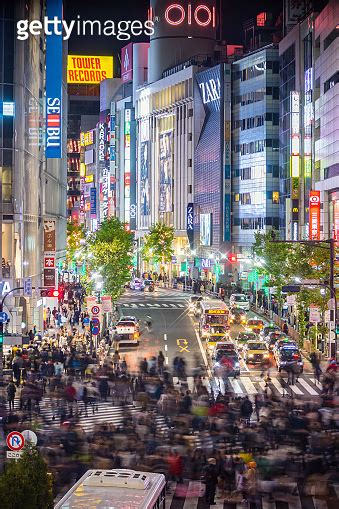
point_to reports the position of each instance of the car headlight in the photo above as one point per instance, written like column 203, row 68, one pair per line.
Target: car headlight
column 251, row 354
column 236, row 365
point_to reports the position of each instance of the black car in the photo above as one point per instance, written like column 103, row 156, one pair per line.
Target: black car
column 238, row 316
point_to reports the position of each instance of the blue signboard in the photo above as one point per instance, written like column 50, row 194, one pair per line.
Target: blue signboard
column 54, row 84
column 93, row 201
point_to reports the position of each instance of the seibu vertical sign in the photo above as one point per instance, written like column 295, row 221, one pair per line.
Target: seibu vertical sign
column 314, row 215
column 54, row 84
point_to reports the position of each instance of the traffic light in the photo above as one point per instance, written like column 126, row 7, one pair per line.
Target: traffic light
column 232, row 257
column 50, row 292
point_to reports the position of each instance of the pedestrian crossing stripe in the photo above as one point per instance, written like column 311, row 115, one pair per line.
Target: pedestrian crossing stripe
column 186, row 496
column 106, row 413
column 153, row 305
column 245, row 386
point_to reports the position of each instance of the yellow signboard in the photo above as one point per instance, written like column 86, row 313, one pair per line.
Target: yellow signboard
column 82, row 69
column 216, row 312
column 86, row 138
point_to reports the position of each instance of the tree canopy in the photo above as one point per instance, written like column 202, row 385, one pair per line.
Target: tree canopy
column 25, row 483
column 110, row 252
column 158, row 243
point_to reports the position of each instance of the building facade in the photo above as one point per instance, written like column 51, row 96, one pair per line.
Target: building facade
column 326, row 174
column 33, row 188
column 255, row 140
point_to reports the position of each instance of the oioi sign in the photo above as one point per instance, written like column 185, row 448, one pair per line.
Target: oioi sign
column 201, row 15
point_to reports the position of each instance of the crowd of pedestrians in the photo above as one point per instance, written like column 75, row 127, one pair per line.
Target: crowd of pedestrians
column 233, row 448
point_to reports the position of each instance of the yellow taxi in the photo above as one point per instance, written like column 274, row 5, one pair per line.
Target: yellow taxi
column 216, row 333
column 255, row 351
column 254, row 325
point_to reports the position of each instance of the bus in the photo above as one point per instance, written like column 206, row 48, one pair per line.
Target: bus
column 212, row 312
column 118, row 488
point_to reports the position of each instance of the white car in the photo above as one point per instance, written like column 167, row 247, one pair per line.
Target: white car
column 240, row 300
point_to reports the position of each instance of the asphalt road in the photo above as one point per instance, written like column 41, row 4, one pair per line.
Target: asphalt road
column 172, row 330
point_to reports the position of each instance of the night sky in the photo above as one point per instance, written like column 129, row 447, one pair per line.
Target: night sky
column 234, row 14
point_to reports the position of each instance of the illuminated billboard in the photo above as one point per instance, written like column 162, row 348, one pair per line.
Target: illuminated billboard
column 166, row 171
column 54, row 85
column 82, row 69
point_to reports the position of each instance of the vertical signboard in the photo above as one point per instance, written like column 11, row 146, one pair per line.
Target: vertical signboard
column 127, row 63
column 295, row 159
column 127, row 165
column 54, row 84
column 112, row 183
column 314, row 215
column 190, row 224
column 166, row 171
column 49, row 276
column 133, row 179
column 227, row 152
column 144, row 175
column 93, row 202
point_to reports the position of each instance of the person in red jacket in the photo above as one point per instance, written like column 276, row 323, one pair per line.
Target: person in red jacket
column 175, row 466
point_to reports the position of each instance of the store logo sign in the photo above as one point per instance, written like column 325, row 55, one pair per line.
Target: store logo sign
column 201, row 15
column 210, row 90
column 101, row 141
column 314, row 215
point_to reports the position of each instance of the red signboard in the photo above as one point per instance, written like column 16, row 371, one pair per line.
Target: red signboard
column 49, row 262
column 336, row 220
column 127, row 63
column 314, row 215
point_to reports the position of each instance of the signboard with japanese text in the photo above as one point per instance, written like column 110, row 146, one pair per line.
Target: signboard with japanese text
column 314, row 215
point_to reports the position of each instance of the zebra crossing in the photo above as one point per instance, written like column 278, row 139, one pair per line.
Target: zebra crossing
column 153, row 305
column 102, row 412
column 189, row 495
column 249, row 386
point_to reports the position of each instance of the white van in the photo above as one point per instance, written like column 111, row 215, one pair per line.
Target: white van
column 240, row 300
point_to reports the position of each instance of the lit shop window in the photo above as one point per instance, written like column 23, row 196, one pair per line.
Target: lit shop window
column 275, row 197
column 8, row 109
column 237, row 197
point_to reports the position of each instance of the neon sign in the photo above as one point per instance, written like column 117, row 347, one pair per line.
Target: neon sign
column 203, row 16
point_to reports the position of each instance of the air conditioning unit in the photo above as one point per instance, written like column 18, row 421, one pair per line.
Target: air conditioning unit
column 121, row 478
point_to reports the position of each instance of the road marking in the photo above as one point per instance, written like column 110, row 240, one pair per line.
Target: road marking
column 141, row 304
column 165, row 337
column 294, row 388
column 250, row 389
column 308, row 387
column 156, row 305
column 277, row 385
column 235, row 386
column 166, row 360
column 262, row 385
column 173, row 305
column 164, row 305
column 180, row 305
column 183, row 345
column 315, row 381
column 203, row 353
column 165, row 347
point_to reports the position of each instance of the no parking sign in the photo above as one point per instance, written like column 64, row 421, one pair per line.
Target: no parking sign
column 15, row 441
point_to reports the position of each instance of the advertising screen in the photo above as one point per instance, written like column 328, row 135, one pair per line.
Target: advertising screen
column 145, row 187
column 83, row 69
column 166, row 171
column 205, row 229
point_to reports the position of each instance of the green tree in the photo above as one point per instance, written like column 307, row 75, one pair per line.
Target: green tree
column 111, row 252
column 25, row 483
column 158, row 244
column 75, row 238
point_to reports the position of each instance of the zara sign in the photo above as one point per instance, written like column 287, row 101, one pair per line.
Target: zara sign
column 210, row 90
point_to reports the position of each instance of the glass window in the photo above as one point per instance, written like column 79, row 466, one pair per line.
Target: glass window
column 275, row 197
